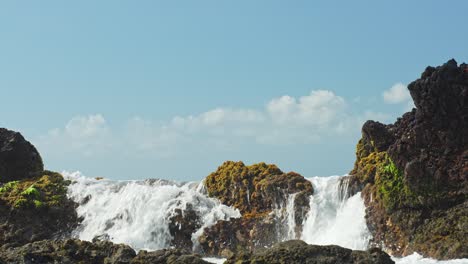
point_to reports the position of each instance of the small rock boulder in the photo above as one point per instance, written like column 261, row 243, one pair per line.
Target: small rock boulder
column 19, row 159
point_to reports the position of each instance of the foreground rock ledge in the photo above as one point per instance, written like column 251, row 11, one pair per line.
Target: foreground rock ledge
column 299, row 252
column 73, row 251
column 76, row 251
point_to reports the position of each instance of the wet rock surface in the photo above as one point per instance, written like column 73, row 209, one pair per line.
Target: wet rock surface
column 414, row 173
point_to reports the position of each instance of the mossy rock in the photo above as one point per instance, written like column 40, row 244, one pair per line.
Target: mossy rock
column 254, row 189
column 261, row 192
column 45, row 191
column 35, row 209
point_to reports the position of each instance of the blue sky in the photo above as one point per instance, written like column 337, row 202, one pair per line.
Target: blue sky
column 154, row 89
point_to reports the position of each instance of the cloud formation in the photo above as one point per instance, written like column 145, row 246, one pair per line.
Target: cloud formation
column 86, row 135
column 397, row 94
column 285, row 120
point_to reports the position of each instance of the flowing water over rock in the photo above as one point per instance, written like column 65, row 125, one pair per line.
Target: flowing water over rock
column 139, row 213
column 335, row 219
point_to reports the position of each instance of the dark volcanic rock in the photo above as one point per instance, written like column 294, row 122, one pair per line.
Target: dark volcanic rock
column 297, row 251
column 67, row 251
column 182, row 225
column 19, row 159
column 260, row 192
column 414, row 174
column 73, row 251
column 169, row 256
column 226, row 237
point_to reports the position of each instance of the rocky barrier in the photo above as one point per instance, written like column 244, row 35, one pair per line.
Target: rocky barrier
column 414, row 173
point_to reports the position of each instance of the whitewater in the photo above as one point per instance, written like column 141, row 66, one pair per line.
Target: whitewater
column 138, row 213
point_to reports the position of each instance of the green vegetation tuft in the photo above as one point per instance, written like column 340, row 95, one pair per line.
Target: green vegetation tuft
column 8, row 186
column 390, row 186
column 31, row 192
column 38, row 204
column 21, row 203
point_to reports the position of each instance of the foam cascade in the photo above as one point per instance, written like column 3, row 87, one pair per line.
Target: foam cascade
column 138, row 213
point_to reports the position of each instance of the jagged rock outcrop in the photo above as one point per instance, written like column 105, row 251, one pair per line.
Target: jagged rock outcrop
column 19, row 159
column 260, row 192
column 33, row 203
column 298, row 252
column 73, row 251
column 414, row 174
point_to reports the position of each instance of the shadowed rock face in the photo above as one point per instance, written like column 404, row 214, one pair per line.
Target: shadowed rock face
column 19, row 159
column 414, row 174
column 296, row 251
column 259, row 191
column 73, row 251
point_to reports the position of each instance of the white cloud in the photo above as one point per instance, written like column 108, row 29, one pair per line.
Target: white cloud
column 284, row 120
column 398, row 93
column 86, row 135
column 319, row 109
column 86, row 126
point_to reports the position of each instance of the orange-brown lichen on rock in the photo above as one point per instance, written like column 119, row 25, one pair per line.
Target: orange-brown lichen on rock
column 254, row 189
column 260, row 192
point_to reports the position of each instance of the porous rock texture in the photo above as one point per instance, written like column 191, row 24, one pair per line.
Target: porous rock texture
column 413, row 174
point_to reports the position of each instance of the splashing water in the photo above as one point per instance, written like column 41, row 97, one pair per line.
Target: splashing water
column 418, row 259
column 334, row 219
column 138, row 213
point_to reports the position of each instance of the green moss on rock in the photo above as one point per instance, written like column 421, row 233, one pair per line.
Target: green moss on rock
column 44, row 191
column 391, row 187
column 8, row 186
